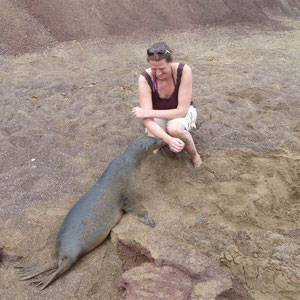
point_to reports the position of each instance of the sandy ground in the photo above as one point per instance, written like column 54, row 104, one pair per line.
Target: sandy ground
column 66, row 113
column 32, row 25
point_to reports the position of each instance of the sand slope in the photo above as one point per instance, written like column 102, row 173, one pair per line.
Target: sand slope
column 65, row 113
column 29, row 25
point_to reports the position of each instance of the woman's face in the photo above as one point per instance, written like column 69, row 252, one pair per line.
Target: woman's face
column 161, row 69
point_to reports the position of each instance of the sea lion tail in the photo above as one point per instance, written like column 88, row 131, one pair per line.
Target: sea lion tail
column 42, row 277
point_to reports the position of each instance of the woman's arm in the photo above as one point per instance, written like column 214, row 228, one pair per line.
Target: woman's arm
column 145, row 100
column 184, row 100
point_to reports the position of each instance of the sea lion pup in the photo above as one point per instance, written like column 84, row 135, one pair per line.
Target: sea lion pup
column 90, row 220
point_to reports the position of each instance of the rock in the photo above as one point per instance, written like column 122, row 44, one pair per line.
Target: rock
column 150, row 282
column 211, row 287
column 153, row 259
column 132, row 254
column 237, row 292
column 155, row 246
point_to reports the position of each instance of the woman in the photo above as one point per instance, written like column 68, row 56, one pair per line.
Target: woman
column 165, row 93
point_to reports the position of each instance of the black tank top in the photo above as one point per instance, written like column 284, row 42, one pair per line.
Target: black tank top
column 165, row 103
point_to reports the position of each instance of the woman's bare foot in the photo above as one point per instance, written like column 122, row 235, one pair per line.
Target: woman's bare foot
column 197, row 161
column 156, row 150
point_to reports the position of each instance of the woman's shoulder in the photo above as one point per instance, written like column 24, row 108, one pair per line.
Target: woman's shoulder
column 183, row 70
column 148, row 71
column 184, row 66
column 145, row 78
column 144, row 75
column 175, row 66
column 186, row 69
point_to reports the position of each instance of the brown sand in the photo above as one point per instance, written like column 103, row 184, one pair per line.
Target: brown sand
column 31, row 25
column 65, row 113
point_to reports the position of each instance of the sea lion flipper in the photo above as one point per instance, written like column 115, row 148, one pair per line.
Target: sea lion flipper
column 132, row 205
column 42, row 277
column 146, row 219
column 25, row 272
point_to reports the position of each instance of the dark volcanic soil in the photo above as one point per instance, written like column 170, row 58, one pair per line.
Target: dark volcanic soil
column 31, row 25
column 65, row 113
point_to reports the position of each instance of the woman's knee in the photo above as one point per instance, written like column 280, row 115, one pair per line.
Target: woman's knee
column 176, row 130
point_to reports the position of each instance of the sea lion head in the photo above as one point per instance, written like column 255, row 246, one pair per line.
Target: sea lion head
column 146, row 144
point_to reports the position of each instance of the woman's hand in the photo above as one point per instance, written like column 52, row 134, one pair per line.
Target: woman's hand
column 140, row 112
column 175, row 144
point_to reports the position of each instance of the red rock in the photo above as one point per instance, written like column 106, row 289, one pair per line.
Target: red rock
column 149, row 282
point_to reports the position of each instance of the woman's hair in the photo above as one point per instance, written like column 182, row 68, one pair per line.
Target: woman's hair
column 159, row 51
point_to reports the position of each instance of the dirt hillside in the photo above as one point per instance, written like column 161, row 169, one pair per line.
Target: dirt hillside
column 31, row 25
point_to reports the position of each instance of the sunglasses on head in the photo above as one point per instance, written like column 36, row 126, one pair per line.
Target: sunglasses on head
column 158, row 51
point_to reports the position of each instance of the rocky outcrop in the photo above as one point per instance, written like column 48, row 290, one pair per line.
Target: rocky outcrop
column 150, row 282
column 159, row 267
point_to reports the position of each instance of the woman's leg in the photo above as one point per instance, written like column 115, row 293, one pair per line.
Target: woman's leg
column 178, row 130
column 152, row 135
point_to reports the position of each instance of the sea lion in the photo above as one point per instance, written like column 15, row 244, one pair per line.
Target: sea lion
column 90, row 220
